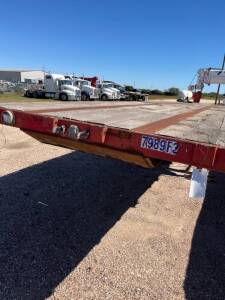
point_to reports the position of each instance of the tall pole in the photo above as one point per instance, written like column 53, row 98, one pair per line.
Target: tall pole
column 218, row 89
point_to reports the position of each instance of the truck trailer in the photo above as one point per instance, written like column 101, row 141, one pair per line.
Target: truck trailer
column 55, row 86
column 144, row 134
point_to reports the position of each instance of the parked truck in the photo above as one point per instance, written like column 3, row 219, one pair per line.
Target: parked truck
column 93, row 80
column 108, row 92
column 55, row 86
column 88, row 92
column 134, row 95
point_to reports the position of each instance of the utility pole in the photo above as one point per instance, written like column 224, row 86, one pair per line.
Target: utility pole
column 218, row 89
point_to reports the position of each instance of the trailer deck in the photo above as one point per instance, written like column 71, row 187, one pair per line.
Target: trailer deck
column 138, row 132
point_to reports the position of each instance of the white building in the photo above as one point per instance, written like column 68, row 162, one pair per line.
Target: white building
column 21, row 75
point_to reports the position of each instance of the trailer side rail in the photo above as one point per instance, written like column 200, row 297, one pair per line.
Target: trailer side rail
column 153, row 146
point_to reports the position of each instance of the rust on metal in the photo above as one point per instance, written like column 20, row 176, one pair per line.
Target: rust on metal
column 163, row 123
column 125, row 156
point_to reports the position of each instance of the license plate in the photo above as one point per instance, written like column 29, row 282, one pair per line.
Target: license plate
column 161, row 145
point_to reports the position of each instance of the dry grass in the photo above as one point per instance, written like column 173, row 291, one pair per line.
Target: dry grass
column 17, row 97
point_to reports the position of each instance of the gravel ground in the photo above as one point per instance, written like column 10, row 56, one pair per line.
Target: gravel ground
column 76, row 226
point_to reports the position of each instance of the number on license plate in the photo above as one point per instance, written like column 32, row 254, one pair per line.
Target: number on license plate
column 161, row 145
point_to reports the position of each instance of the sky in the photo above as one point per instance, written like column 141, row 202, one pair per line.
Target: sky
column 145, row 43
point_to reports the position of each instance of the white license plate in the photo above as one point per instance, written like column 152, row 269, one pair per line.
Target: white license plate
column 161, row 145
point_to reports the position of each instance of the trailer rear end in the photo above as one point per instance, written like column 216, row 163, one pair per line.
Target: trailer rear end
column 140, row 133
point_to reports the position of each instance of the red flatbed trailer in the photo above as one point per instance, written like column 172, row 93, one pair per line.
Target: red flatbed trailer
column 139, row 133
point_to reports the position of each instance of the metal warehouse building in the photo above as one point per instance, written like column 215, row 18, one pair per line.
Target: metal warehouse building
column 21, row 75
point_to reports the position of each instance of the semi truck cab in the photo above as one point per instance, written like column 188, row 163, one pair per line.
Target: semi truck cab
column 87, row 90
column 57, row 86
column 107, row 91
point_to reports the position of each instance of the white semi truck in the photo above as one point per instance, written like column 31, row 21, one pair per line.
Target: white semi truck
column 108, row 92
column 88, row 92
column 56, row 86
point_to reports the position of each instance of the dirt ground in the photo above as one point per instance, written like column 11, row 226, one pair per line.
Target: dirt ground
column 76, row 226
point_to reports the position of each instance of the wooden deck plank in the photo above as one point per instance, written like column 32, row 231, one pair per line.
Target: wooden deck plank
column 126, row 117
column 221, row 139
column 205, row 127
column 164, row 123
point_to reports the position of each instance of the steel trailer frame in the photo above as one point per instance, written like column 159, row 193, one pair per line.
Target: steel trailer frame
column 128, row 145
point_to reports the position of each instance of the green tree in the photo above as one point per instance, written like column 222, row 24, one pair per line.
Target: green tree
column 129, row 88
column 156, row 92
column 173, row 91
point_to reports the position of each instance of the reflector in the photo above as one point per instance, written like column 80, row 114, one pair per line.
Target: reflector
column 7, row 117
